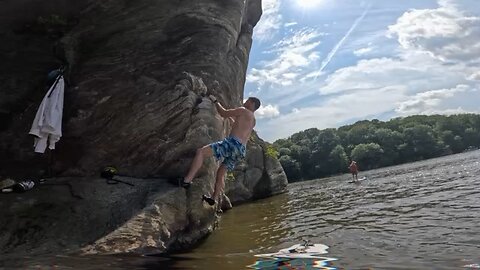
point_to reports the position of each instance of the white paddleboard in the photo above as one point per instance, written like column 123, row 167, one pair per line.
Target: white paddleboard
column 359, row 179
column 298, row 251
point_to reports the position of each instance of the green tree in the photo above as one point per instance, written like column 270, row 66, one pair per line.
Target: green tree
column 452, row 142
column 389, row 140
column 314, row 153
column 322, row 146
column 368, row 156
column 303, row 155
column 283, row 143
column 296, row 151
column 472, row 137
column 361, row 133
column 421, row 142
column 284, row 152
column 337, row 160
column 291, row 168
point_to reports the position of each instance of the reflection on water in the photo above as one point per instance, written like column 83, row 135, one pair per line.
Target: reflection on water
column 299, row 256
column 244, row 231
column 294, row 264
column 423, row 215
column 43, row 262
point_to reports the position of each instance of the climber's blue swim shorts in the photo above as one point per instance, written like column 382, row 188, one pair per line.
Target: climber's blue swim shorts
column 231, row 150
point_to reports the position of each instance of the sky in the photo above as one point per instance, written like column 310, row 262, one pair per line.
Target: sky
column 325, row 63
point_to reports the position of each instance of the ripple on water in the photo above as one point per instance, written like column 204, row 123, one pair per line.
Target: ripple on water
column 420, row 214
column 423, row 215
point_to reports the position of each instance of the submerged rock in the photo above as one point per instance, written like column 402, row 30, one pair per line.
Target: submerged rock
column 138, row 75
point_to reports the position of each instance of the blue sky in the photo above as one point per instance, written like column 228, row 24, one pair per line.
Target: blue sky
column 324, row 63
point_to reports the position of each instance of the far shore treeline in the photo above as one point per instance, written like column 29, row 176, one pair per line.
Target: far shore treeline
column 315, row 153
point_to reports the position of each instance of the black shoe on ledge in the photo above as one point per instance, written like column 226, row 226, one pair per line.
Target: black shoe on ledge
column 209, row 200
column 185, row 185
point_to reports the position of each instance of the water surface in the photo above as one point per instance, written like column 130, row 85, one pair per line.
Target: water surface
column 424, row 215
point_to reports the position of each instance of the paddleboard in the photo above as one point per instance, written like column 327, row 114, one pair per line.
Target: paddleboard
column 359, row 180
column 298, row 251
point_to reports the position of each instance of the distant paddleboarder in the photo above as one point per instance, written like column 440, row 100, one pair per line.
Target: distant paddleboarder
column 230, row 150
column 354, row 170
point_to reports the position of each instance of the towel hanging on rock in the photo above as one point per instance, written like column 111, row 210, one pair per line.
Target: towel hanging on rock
column 47, row 125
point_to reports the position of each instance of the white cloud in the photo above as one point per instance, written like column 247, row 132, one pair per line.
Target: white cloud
column 314, row 56
column 269, row 111
column 313, row 74
column 270, row 22
column 363, row 51
column 290, row 24
column 434, row 101
column 447, row 32
column 290, row 75
column 416, row 71
column 301, row 41
column 332, row 111
column 292, row 54
column 432, row 69
column 349, row 107
column 467, row 6
column 475, row 76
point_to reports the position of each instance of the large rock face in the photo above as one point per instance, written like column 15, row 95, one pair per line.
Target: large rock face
column 258, row 176
column 138, row 73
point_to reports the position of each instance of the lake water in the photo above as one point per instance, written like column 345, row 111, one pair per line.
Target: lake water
column 423, row 215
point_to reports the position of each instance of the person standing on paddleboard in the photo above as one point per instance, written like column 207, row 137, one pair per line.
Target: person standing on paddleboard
column 230, row 150
column 354, row 170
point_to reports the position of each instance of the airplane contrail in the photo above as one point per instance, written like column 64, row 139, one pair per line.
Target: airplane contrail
column 332, row 53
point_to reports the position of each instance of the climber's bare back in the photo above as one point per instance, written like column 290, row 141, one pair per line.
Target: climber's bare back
column 244, row 124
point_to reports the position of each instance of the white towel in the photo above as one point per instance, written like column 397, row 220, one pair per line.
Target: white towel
column 47, row 125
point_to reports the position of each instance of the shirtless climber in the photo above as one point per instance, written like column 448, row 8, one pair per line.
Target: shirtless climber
column 231, row 150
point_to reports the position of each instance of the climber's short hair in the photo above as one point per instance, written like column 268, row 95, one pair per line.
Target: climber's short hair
column 256, row 102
